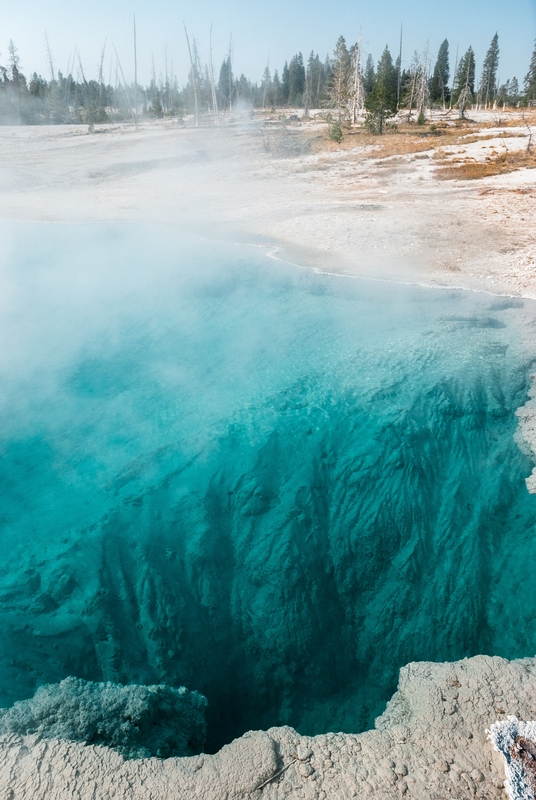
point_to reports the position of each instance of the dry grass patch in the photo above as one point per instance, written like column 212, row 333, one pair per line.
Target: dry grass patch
column 493, row 165
column 490, row 136
column 409, row 139
column 399, row 143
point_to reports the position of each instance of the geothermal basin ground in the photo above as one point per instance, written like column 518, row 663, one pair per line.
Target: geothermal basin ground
column 271, row 484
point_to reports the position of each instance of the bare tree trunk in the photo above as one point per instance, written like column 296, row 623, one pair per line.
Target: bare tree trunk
column 49, row 55
column 135, row 75
column 399, row 71
column 116, row 89
column 68, row 82
column 101, row 75
column 170, row 86
column 264, row 86
column 529, row 144
column 81, row 67
column 193, row 76
column 464, row 98
column 101, row 65
column 454, row 76
column 412, row 95
column 358, row 91
column 165, row 89
column 76, row 83
column 126, row 89
column 423, row 91
column 230, row 58
column 212, row 83
column 308, row 95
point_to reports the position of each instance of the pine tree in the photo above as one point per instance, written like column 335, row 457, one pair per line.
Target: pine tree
column 315, row 78
column 465, row 75
column 308, row 93
column 488, row 82
column 266, row 87
column 530, row 78
column 338, row 85
column 225, row 83
column 508, row 93
column 369, row 76
column 326, row 80
column 464, row 81
column 439, row 84
column 276, row 89
column 285, row 85
column 381, row 102
column 296, row 80
column 513, row 94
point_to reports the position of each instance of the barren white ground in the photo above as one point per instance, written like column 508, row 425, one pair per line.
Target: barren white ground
column 347, row 210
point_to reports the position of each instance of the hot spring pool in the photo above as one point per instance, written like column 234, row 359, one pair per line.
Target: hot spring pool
column 271, row 486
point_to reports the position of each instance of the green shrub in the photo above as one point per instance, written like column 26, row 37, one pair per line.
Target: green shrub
column 335, row 132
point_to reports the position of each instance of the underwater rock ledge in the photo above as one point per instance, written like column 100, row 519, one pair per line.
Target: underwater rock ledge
column 430, row 743
column 526, row 437
column 137, row 721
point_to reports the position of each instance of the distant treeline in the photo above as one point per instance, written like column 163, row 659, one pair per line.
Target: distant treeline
column 345, row 83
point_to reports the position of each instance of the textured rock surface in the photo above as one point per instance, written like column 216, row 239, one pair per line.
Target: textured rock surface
column 527, row 430
column 136, row 720
column 431, row 743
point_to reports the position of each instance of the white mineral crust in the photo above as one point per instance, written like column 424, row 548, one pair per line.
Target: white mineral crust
column 431, row 743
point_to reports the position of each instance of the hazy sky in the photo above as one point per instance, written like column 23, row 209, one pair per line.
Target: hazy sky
column 270, row 30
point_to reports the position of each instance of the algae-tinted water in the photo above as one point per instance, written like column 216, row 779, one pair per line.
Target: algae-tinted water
column 271, row 486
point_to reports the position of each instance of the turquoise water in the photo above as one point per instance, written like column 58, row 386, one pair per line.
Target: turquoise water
column 271, row 486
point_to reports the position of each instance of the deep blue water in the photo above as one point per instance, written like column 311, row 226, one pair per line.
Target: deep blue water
column 272, row 486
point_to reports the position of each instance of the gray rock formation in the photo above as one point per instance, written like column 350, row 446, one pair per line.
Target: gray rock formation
column 137, row 721
column 430, row 744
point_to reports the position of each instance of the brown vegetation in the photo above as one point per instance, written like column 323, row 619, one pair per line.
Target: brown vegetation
column 496, row 164
column 408, row 138
column 524, row 750
column 404, row 140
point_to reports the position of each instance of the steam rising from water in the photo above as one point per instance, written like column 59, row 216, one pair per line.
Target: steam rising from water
column 271, row 486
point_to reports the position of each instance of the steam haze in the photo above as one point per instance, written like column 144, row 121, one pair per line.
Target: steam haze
column 261, row 361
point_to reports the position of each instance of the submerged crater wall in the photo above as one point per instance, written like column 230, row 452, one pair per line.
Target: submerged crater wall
column 288, row 573
column 270, row 486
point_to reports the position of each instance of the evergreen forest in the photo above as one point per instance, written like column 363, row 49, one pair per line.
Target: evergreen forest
column 348, row 83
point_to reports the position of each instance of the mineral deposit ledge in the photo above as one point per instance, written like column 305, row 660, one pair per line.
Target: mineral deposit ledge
column 432, row 742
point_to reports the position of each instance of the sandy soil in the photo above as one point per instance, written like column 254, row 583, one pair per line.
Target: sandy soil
column 350, row 209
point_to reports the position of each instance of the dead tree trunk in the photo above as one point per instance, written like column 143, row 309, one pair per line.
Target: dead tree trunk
column 125, row 86
column 399, row 76
column 212, row 83
column 135, row 75
column 357, row 89
column 49, row 55
column 193, row 77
